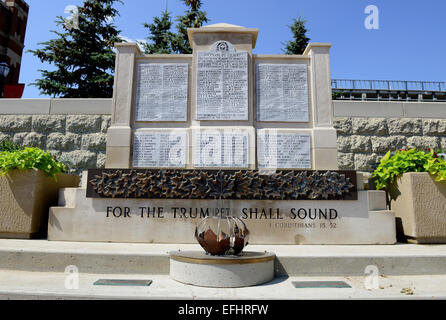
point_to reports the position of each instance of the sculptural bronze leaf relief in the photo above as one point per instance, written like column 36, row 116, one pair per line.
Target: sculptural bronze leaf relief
column 222, row 184
column 242, row 183
column 200, row 187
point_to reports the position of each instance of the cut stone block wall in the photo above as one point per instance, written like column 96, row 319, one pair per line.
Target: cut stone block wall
column 362, row 142
column 78, row 141
column 74, row 130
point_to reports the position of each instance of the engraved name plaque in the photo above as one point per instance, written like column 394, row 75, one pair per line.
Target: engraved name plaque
column 161, row 93
column 282, row 92
column 283, row 150
column 222, row 83
column 214, row 149
column 159, row 149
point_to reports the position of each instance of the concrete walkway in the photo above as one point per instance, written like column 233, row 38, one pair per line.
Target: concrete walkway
column 50, row 285
column 37, row 269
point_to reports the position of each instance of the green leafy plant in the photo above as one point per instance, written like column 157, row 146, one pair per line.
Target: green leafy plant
column 8, row 145
column 413, row 160
column 30, row 158
column 337, row 94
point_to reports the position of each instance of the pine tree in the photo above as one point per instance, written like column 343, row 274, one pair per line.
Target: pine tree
column 82, row 55
column 300, row 39
column 161, row 38
column 192, row 18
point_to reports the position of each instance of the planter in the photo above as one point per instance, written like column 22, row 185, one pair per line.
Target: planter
column 25, row 198
column 420, row 208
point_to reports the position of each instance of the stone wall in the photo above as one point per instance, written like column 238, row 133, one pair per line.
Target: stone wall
column 362, row 142
column 75, row 129
column 78, row 141
column 368, row 129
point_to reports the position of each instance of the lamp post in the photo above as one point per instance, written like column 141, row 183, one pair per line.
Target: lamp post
column 4, row 70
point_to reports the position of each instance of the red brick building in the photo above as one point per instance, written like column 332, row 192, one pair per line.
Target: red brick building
column 13, row 19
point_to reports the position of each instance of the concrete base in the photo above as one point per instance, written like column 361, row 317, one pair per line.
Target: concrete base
column 429, row 240
column 364, row 221
column 153, row 259
column 10, row 235
column 198, row 269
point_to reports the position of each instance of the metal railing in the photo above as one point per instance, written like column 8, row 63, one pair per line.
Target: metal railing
column 389, row 85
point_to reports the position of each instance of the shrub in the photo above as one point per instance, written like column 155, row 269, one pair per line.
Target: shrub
column 8, row 145
column 413, row 160
column 30, row 158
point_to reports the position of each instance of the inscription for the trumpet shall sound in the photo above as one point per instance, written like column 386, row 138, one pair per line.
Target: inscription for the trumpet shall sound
column 222, row 84
column 283, row 150
column 282, row 92
column 159, row 149
column 161, row 92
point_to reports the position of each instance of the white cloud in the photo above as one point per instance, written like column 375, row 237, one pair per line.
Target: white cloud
column 139, row 42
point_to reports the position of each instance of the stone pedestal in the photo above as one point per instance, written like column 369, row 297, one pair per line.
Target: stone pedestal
column 362, row 221
column 198, row 269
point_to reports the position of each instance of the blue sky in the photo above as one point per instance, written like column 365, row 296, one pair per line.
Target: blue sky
column 409, row 44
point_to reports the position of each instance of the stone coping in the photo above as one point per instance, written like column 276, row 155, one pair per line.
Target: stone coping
column 56, row 106
column 150, row 249
column 365, row 109
column 389, row 109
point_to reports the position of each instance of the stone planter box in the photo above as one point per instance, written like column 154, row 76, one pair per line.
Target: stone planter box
column 420, row 208
column 25, row 198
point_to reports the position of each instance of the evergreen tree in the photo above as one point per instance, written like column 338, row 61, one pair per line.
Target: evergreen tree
column 192, row 18
column 161, row 38
column 300, row 39
column 82, row 54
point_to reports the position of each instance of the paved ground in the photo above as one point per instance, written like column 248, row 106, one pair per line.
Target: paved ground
column 36, row 270
column 37, row 285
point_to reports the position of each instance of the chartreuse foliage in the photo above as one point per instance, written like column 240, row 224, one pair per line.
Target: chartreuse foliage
column 8, row 145
column 30, row 158
column 413, row 160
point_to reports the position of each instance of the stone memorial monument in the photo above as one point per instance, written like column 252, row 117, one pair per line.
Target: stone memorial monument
column 222, row 131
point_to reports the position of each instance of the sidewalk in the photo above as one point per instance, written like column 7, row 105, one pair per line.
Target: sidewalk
column 49, row 285
column 35, row 269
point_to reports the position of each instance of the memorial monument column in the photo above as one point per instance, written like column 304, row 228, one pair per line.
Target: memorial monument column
column 222, row 105
column 325, row 152
column 119, row 135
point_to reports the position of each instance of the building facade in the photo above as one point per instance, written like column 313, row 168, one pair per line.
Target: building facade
column 13, row 20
